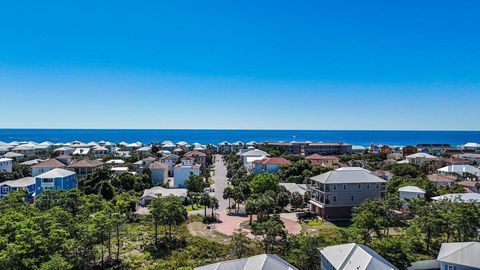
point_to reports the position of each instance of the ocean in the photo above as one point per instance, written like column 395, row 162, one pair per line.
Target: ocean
column 355, row 137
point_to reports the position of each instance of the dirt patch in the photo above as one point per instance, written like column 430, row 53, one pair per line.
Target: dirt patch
column 200, row 229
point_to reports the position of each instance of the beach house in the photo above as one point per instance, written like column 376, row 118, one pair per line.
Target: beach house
column 6, row 165
column 183, row 170
column 55, row 179
column 337, row 192
column 46, row 166
column 26, row 183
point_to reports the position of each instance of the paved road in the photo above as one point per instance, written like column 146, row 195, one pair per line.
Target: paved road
column 220, row 178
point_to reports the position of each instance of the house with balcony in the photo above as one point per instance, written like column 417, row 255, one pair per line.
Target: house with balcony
column 183, row 170
column 336, row 193
column 170, row 160
column 56, row 179
column 26, row 183
column 85, row 167
column 331, row 162
column 46, row 166
column 6, row 165
column 199, row 157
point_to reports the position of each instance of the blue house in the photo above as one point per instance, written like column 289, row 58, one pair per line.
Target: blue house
column 459, row 256
column 26, row 183
column 56, row 179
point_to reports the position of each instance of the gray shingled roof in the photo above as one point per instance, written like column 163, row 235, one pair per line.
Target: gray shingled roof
column 347, row 176
column 259, row 262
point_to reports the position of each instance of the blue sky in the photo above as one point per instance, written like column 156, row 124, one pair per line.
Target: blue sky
column 240, row 64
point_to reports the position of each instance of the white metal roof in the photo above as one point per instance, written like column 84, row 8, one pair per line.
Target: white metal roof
column 459, row 169
column 421, row 155
column 162, row 192
column 255, row 153
column 22, row 182
column 459, row 197
column 259, row 262
column 412, row 189
column 352, row 169
column 56, row 173
column 355, row 257
column 5, row 159
column 461, row 253
column 293, row 187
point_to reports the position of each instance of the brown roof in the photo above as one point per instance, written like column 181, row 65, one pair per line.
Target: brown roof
column 195, row 153
column 49, row 163
column 441, row 178
column 64, row 156
column 86, row 163
column 150, row 158
column 470, row 184
column 158, row 165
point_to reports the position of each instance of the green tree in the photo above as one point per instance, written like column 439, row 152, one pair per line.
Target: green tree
column 395, row 250
column 261, row 183
column 240, row 244
column 56, row 262
column 296, row 200
column 272, row 232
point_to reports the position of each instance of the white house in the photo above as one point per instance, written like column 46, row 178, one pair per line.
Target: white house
column 459, row 169
column 6, row 165
column 411, row 192
column 14, row 156
column 161, row 192
column 81, row 151
column 182, row 171
column 472, row 146
column 419, row 158
column 250, row 156
column 119, row 170
column 353, row 257
column 64, row 150
column 170, row 160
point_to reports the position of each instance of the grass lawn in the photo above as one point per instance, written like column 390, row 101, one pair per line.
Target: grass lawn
column 314, row 226
column 197, row 207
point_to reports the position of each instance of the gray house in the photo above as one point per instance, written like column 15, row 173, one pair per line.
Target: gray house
column 335, row 193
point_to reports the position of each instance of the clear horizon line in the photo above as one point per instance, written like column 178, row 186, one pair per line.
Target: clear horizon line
column 233, row 129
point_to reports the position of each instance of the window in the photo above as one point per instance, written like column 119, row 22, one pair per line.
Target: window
column 377, row 185
column 344, row 186
column 368, row 186
column 334, row 187
column 359, row 186
column 352, row 198
column 4, row 189
column 334, row 198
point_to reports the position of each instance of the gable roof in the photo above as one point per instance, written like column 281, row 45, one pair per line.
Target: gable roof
column 195, row 153
column 86, row 163
column 155, row 192
column 412, row 189
column 461, row 253
column 354, row 257
column 158, row 165
column 22, row 182
column 347, row 176
column 459, row 169
column 56, row 173
column 259, row 262
column 49, row 163
column 272, row 161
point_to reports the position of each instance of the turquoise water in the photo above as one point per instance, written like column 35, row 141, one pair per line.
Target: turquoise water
column 356, row 137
